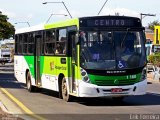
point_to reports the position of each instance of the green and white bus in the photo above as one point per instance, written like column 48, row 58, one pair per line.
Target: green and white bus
column 99, row 56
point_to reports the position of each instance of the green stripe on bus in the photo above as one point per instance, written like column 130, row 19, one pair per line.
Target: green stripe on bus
column 41, row 65
column 50, row 65
column 30, row 62
column 114, row 80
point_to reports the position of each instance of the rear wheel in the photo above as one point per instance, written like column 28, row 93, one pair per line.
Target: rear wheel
column 29, row 84
column 64, row 91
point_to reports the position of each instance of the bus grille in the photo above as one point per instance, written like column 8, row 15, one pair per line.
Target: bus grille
column 112, row 82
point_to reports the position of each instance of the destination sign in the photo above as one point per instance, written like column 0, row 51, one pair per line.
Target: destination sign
column 110, row 22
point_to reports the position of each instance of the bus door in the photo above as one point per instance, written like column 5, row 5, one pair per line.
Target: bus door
column 73, row 52
column 38, row 39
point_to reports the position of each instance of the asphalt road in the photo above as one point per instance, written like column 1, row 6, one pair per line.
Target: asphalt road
column 47, row 104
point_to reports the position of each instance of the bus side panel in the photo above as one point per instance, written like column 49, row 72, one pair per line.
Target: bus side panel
column 63, row 66
column 29, row 64
column 48, row 73
column 51, row 69
column 20, row 66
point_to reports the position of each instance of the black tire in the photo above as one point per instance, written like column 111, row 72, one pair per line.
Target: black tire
column 64, row 91
column 30, row 88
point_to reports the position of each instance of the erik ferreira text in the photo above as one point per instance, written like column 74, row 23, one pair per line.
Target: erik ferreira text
column 144, row 117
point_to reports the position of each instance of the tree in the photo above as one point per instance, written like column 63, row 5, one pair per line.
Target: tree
column 6, row 28
column 152, row 24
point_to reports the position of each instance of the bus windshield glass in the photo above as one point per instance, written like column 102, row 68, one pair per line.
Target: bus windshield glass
column 112, row 50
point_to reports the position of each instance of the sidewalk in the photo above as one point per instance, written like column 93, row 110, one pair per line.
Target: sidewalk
column 7, row 116
column 150, row 77
column 9, row 110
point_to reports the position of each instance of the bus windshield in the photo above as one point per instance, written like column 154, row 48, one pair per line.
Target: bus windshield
column 112, row 50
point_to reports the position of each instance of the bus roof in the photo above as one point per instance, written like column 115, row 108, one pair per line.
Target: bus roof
column 70, row 22
column 30, row 29
column 48, row 26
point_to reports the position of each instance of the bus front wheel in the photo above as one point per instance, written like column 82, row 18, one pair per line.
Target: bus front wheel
column 64, row 90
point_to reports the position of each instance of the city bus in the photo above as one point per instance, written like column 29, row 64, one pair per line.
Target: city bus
column 97, row 56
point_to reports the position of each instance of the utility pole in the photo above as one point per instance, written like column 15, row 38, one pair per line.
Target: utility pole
column 63, row 5
column 23, row 22
column 144, row 15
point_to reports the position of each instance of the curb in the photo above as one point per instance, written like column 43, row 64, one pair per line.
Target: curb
column 10, row 114
column 153, row 81
column 3, row 107
column 26, row 113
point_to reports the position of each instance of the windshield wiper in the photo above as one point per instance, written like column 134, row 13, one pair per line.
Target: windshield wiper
column 124, row 38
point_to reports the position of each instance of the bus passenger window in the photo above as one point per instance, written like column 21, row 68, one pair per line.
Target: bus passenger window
column 20, row 45
column 49, row 42
column 59, row 49
column 25, row 37
column 61, row 42
column 30, row 44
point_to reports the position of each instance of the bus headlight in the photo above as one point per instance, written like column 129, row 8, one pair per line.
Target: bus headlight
column 144, row 74
column 84, row 75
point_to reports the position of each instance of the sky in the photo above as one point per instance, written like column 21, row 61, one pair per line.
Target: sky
column 34, row 12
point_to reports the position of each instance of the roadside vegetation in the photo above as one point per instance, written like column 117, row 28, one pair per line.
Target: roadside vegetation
column 6, row 28
column 155, row 59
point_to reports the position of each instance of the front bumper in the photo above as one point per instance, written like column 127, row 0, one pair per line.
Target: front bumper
column 91, row 90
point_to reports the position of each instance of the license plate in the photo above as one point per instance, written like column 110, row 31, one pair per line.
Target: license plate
column 116, row 90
